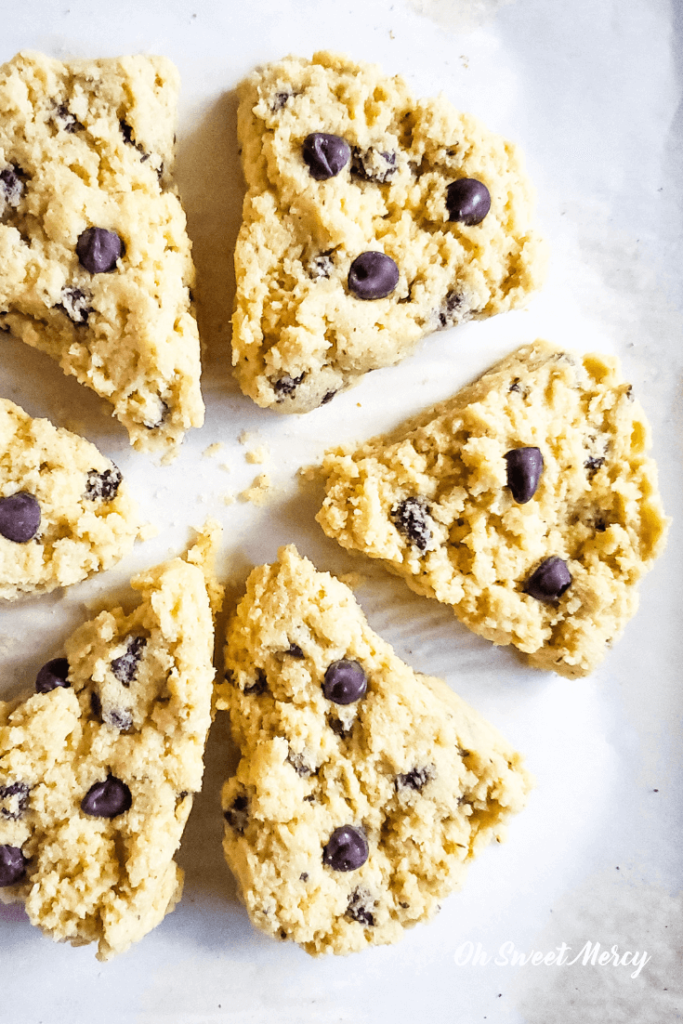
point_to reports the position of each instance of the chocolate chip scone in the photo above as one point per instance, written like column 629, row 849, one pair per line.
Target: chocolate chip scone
column 527, row 503
column 363, row 789
column 96, row 260
column 371, row 220
column 65, row 511
column 98, row 768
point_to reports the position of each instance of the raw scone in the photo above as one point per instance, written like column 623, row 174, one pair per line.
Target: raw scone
column 96, row 265
column 99, row 767
column 365, row 227
column 65, row 511
column 363, row 789
column 527, row 503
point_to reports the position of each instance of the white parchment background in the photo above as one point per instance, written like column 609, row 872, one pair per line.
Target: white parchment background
column 592, row 90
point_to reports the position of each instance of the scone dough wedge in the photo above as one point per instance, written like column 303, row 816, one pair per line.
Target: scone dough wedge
column 65, row 511
column 96, row 264
column 348, row 822
column 341, row 162
column 98, row 768
column 554, row 571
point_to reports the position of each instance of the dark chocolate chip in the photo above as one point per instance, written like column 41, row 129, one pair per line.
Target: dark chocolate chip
column 107, row 799
column 237, row 816
column 325, row 155
column 515, row 386
column 126, row 666
column 327, row 397
column 294, row 651
column 303, row 877
column 103, row 486
column 14, row 800
column 258, row 687
column 67, row 121
column 98, row 250
column 416, row 779
column 118, row 718
column 76, row 304
column 371, row 165
column 285, row 385
column 411, row 517
column 524, row 468
column 299, row 765
column 127, row 132
column 593, row 464
column 345, row 682
column 279, row 101
column 310, row 799
column 372, row 275
column 467, row 201
column 454, row 311
column 320, row 266
column 11, row 185
column 12, row 865
column 53, row 674
column 159, row 418
column 347, row 849
column 338, row 728
column 360, row 907
column 549, row 582
column 404, row 905
column 19, row 517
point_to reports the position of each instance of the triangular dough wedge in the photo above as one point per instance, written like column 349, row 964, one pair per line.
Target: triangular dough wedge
column 65, row 511
column 554, row 574
column 97, row 777
column 86, row 158
column 347, row 823
column 300, row 330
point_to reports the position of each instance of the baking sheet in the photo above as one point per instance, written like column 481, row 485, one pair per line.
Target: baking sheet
column 592, row 91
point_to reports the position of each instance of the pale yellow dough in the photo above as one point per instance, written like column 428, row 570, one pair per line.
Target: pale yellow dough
column 88, row 520
column 597, row 505
column 309, row 766
column 111, row 880
column 299, row 334
column 93, row 145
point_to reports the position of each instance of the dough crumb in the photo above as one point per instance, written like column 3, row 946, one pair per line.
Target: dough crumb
column 212, row 450
column 260, row 492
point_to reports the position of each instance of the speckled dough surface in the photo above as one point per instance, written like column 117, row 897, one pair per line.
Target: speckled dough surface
column 300, row 333
column 87, row 519
column 97, row 776
column 433, row 501
column 89, row 145
column 348, row 822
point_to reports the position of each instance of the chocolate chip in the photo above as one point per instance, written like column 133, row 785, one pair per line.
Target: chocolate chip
column 593, row 464
column 338, row 728
column 285, row 385
column 107, row 799
column 549, row 582
column 327, row 397
column 294, row 651
column 303, row 877
column 127, row 132
column 14, row 800
column 103, row 486
column 360, row 907
column 524, row 468
column 279, row 101
column 66, row 121
column 19, row 517
column 371, row 165
column 320, row 266
column 372, row 275
column 118, row 718
column 237, row 816
column 411, row 517
column 325, row 155
column 347, row 849
column 454, row 311
column 416, row 779
column 126, row 666
column 76, row 304
column 515, row 386
column 345, row 682
column 467, row 201
column 98, row 250
column 53, row 674
column 11, row 185
column 310, row 799
column 160, row 416
column 12, row 865
column 299, row 765
column 404, row 905
column 258, row 687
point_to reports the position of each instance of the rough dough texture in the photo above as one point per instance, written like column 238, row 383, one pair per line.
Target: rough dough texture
column 426, row 778
column 597, row 506
column 299, row 334
column 88, row 521
column 90, row 144
column 111, row 880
